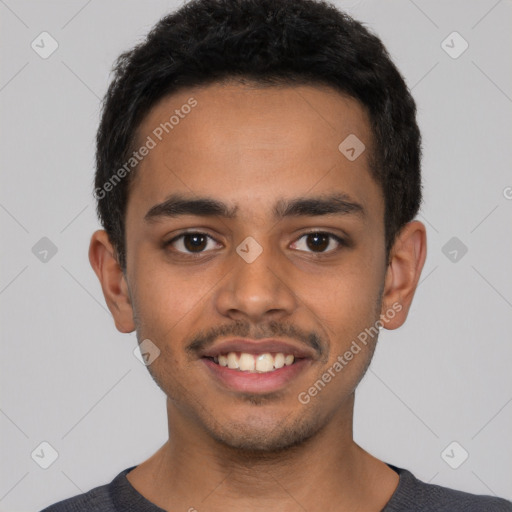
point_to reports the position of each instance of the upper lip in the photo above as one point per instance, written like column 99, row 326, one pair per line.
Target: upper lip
column 257, row 347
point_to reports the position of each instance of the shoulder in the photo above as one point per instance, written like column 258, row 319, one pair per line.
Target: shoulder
column 413, row 494
column 95, row 500
column 99, row 499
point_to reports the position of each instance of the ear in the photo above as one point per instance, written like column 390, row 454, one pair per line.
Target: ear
column 113, row 281
column 406, row 260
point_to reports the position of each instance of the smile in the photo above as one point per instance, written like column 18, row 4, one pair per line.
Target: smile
column 256, row 363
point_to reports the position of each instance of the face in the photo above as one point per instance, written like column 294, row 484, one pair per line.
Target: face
column 253, row 241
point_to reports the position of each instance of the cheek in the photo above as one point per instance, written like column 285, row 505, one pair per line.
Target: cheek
column 347, row 313
column 168, row 299
column 158, row 296
column 346, row 305
column 346, row 297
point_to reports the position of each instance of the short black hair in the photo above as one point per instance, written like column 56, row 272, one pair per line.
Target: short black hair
column 268, row 42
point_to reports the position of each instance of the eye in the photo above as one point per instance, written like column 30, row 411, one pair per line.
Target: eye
column 192, row 243
column 318, row 241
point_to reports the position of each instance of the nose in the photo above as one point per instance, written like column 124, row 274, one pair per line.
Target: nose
column 256, row 290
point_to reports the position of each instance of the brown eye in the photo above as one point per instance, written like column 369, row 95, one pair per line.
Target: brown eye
column 190, row 243
column 195, row 242
column 318, row 242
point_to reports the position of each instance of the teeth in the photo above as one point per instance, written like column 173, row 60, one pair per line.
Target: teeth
column 279, row 361
column 264, row 363
column 233, row 361
column 261, row 363
column 246, row 362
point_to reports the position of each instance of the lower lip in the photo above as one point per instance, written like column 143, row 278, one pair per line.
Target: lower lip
column 250, row 382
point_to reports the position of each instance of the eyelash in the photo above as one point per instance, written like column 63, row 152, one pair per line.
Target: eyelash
column 338, row 239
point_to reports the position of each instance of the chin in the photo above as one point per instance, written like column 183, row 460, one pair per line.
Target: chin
column 255, row 437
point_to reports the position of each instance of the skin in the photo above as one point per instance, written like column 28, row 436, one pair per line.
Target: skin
column 250, row 147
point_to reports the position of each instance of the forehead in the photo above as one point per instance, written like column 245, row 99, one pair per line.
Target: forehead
column 249, row 143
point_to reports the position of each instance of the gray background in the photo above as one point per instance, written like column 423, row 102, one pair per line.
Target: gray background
column 70, row 379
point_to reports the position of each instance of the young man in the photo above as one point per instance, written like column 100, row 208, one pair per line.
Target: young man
column 258, row 173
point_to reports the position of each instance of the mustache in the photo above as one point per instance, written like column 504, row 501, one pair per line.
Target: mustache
column 272, row 329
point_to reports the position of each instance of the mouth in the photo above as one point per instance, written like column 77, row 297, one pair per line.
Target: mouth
column 254, row 363
column 256, row 367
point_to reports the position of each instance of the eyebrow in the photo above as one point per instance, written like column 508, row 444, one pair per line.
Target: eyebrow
column 177, row 205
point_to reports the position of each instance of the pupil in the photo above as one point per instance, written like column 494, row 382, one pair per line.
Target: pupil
column 193, row 242
column 321, row 241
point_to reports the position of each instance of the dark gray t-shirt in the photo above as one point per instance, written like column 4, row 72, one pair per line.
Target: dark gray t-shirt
column 411, row 495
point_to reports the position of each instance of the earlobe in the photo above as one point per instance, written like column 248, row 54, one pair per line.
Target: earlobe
column 113, row 281
column 405, row 265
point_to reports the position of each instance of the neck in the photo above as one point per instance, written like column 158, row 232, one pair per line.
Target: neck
column 329, row 471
